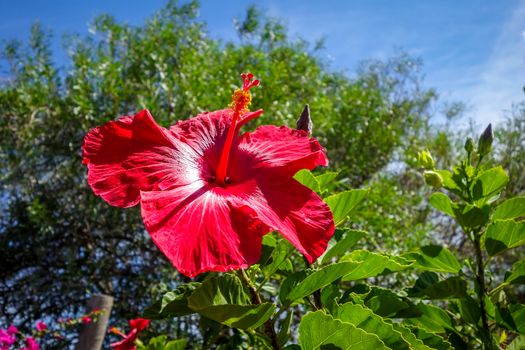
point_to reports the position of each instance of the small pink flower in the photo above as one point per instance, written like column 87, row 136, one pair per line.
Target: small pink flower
column 31, row 344
column 12, row 330
column 86, row 320
column 40, row 326
column 6, row 339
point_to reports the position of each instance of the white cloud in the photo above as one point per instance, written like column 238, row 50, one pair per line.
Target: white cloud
column 501, row 77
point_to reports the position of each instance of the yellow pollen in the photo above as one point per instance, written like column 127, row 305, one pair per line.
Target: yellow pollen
column 241, row 100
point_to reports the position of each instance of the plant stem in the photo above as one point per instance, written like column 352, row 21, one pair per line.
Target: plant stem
column 482, row 290
column 268, row 326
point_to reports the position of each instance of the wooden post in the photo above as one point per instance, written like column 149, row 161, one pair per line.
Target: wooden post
column 92, row 334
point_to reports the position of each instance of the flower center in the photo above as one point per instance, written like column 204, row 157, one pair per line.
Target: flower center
column 241, row 100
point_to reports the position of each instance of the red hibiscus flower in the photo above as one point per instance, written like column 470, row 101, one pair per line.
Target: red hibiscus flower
column 128, row 343
column 207, row 194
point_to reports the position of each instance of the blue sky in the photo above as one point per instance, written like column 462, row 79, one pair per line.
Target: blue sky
column 473, row 51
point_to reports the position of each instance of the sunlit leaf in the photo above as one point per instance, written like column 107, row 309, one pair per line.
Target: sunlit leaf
column 365, row 319
column 503, row 235
column 320, row 331
column 489, row 183
column 223, row 300
column 442, row 202
column 341, row 247
column 374, row 264
column 342, row 204
column 305, row 177
column 510, row 209
column 435, row 258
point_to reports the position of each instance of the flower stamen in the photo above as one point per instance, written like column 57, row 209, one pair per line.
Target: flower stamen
column 241, row 100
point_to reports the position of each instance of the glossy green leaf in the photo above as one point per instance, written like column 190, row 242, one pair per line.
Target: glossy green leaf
column 503, row 235
column 471, row 216
column 365, row 319
column 517, row 274
column 374, row 264
column 325, row 180
column 435, row 258
column 510, row 209
column 432, row 340
column 448, row 182
column 179, row 344
column 342, row 204
column 305, row 177
column 341, row 247
column 384, row 302
column 428, row 286
column 284, row 332
column 442, row 202
column 432, row 318
column 279, row 254
column 320, row 331
column 320, row 278
column 415, row 343
column 517, row 344
column 172, row 304
column 223, row 300
column 489, row 183
column 469, row 309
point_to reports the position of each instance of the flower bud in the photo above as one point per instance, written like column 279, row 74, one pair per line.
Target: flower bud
column 485, row 141
column 433, row 179
column 305, row 121
column 469, row 145
column 424, row 159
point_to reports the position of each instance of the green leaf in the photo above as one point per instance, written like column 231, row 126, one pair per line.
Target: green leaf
column 179, row 344
column 517, row 274
column 410, row 337
column 503, row 235
column 279, row 254
column 518, row 315
column 448, row 182
column 489, row 183
column 320, row 331
column 284, row 332
column 517, row 344
column 374, row 264
column 365, row 319
column 428, row 286
column 470, row 310
column 342, row 204
column 349, row 239
column 317, row 280
column 432, row 318
column 510, row 209
column 442, row 202
column 432, row 340
column 435, row 258
column 325, row 180
column 306, row 178
column 384, row 302
column 471, row 216
column 172, row 304
column 223, row 300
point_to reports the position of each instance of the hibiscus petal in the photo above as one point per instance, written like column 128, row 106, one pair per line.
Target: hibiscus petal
column 134, row 154
column 205, row 133
column 273, row 146
column 201, row 227
column 297, row 212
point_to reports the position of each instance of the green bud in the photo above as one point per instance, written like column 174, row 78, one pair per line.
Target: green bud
column 433, row 179
column 424, row 159
column 469, row 145
column 485, row 141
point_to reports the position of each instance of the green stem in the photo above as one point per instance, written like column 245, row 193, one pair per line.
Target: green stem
column 482, row 290
column 268, row 326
